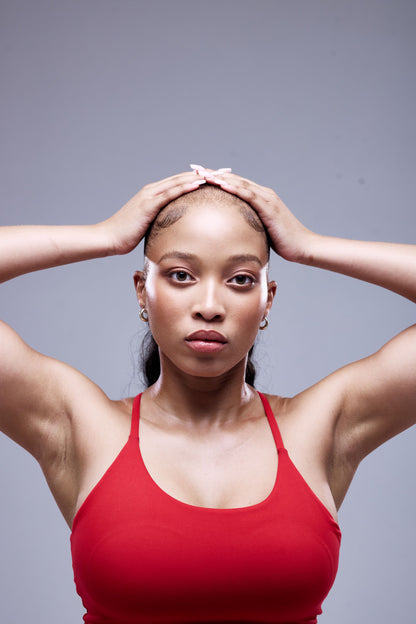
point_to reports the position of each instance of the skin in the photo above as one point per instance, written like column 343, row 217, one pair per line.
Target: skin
column 204, row 436
column 201, row 399
column 218, row 288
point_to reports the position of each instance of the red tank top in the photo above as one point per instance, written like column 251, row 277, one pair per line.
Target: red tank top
column 140, row 556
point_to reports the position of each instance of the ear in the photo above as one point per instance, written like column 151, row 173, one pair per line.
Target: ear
column 271, row 292
column 140, row 287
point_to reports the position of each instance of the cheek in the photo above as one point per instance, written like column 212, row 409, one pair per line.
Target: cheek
column 247, row 313
column 165, row 305
column 245, row 320
column 249, row 307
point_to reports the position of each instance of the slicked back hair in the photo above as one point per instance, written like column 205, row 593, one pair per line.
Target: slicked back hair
column 173, row 211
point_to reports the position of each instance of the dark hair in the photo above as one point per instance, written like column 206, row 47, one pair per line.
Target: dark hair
column 151, row 362
column 175, row 209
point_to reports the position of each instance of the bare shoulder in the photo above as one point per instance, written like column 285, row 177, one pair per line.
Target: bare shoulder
column 95, row 430
column 38, row 395
column 339, row 420
column 43, row 401
column 315, row 408
column 60, row 416
column 308, row 425
column 312, row 423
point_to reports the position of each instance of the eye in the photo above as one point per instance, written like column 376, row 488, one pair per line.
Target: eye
column 242, row 280
column 180, row 276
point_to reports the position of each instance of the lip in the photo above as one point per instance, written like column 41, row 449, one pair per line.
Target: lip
column 206, row 335
column 206, row 341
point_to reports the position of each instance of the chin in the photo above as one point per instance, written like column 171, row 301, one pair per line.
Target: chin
column 212, row 369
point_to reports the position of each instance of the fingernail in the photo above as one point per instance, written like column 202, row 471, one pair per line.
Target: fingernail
column 223, row 170
column 199, row 182
column 197, row 168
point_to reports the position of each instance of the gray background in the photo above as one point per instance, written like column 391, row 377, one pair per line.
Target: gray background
column 313, row 98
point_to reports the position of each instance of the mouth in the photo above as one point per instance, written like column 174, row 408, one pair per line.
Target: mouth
column 207, row 335
column 206, row 341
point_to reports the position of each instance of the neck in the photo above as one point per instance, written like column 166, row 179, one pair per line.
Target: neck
column 201, row 400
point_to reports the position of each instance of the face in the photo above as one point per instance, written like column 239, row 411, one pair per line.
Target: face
column 206, row 273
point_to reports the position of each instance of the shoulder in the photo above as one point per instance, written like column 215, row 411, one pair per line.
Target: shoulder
column 81, row 450
column 308, row 421
column 317, row 405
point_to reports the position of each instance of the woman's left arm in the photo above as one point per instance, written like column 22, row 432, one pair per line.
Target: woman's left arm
column 378, row 393
column 390, row 265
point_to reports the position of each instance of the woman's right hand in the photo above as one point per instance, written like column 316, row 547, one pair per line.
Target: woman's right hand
column 126, row 228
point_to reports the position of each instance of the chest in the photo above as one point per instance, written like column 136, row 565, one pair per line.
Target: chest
column 132, row 544
column 221, row 469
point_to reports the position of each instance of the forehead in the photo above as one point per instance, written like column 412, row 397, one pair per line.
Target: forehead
column 208, row 230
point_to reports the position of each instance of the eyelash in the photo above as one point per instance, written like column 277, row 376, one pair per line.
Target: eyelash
column 179, row 271
column 249, row 277
column 184, row 281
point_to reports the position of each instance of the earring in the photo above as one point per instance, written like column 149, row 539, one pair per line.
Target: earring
column 264, row 323
column 144, row 315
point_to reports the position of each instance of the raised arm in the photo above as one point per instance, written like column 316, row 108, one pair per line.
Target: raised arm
column 28, row 248
column 35, row 390
column 376, row 395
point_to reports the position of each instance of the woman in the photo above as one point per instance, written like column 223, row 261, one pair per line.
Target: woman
column 226, row 511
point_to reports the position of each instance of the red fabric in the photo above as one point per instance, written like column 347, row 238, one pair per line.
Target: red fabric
column 141, row 556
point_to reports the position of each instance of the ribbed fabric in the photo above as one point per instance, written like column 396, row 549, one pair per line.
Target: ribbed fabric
column 142, row 557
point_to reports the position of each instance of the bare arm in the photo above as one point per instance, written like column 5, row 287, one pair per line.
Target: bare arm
column 35, row 391
column 377, row 395
column 27, row 248
column 390, row 265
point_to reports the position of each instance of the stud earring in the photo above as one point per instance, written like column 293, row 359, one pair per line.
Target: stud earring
column 264, row 323
column 144, row 315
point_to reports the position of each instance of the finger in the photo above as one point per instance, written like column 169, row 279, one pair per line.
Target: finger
column 180, row 185
column 201, row 171
column 167, row 194
column 238, row 181
column 198, row 169
column 177, row 177
column 247, row 190
column 222, row 175
column 223, row 170
column 160, row 186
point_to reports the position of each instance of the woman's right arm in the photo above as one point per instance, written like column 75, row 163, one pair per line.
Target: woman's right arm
column 36, row 391
column 27, row 248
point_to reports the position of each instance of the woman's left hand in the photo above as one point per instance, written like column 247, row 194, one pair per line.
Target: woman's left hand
column 289, row 237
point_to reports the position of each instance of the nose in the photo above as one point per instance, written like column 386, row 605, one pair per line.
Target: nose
column 208, row 305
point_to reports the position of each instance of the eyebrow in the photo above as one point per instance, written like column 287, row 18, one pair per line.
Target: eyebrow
column 245, row 258
column 177, row 255
column 180, row 255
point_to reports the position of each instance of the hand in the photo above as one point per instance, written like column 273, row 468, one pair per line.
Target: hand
column 126, row 228
column 288, row 236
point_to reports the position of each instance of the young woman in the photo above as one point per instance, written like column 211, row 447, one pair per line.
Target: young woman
column 226, row 511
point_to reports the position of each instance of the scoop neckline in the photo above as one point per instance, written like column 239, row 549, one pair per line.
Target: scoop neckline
column 214, row 510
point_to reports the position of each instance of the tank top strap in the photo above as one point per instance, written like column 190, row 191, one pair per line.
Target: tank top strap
column 272, row 422
column 135, row 416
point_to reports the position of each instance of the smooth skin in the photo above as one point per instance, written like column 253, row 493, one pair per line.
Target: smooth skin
column 204, row 437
